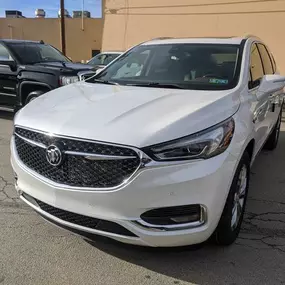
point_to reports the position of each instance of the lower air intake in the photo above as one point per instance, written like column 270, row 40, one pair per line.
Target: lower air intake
column 81, row 220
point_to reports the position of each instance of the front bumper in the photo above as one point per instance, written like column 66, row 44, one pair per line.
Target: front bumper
column 198, row 182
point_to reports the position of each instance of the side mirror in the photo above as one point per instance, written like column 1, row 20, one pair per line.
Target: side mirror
column 271, row 82
column 7, row 62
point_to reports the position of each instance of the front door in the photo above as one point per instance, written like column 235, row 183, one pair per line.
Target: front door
column 8, row 81
column 275, row 95
column 260, row 102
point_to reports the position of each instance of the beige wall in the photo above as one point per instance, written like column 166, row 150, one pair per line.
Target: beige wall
column 128, row 22
column 79, row 44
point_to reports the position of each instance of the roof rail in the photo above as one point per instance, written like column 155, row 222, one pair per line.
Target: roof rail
column 212, row 37
column 161, row 38
column 251, row 36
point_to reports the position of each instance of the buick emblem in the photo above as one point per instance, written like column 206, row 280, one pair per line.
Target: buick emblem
column 54, row 155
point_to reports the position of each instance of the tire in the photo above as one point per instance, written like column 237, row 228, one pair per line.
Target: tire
column 230, row 223
column 30, row 98
column 273, row 138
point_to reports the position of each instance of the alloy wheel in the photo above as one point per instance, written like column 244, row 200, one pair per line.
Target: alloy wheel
column 239, row 197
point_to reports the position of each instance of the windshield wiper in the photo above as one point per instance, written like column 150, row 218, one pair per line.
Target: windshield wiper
column 157, row 84
column 105, row 82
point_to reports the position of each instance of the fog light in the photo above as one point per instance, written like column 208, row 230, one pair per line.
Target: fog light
column 173, row 215
column 186, row 219
column 174, row 218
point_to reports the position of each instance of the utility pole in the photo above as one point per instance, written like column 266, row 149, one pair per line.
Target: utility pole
column 82, row 16
column 62, row 27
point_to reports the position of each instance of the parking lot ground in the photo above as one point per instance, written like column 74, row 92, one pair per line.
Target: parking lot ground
column 34, row 252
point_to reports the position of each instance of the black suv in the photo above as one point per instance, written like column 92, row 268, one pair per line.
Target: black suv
column 29, row 69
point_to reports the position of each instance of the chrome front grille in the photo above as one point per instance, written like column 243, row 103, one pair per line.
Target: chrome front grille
column 84, row 163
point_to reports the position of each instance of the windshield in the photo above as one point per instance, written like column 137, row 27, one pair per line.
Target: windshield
column 29, row 53
column 187, row 66
column 103, row 58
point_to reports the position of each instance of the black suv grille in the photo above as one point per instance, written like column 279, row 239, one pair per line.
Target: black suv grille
column 76, row 170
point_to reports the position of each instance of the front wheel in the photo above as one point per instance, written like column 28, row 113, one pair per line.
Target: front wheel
column 33, row 95
column 230, row 223
column 30, row 98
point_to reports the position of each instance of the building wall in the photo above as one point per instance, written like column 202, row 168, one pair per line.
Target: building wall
column 79, row 44
column 128, row 22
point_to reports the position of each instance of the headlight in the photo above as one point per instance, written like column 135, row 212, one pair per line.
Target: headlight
column 65, row 80
column 202, row 145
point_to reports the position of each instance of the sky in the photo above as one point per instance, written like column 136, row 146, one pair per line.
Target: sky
column 51, row 7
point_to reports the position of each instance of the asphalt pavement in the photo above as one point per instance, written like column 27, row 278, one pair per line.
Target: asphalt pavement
column 33, row 252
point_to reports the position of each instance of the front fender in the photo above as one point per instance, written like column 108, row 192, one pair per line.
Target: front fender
column 39, row 85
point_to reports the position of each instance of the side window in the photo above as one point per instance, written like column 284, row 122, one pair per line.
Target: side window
column 98, row 59
column 109, row 58
column 46, row 53
column 134, row 66
column 256, row 67
column 4, row 54
column 102, row 59
column 268, row 69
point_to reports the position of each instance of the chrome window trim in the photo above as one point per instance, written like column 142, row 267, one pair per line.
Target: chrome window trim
column 8, row 94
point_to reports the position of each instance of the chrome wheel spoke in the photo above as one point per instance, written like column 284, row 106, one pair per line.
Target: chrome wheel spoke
column 234, row 209
column 239, row 197
column 234, row 215
column 239, row 210
column 241, row 202
column 243, row 181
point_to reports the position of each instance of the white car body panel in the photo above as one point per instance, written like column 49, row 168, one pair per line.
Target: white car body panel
column 127, row 115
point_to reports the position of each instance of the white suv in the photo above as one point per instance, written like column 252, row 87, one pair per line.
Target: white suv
column 156, row 157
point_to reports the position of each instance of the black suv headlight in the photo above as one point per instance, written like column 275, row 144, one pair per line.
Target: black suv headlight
column 65, row 80
column 202, row 145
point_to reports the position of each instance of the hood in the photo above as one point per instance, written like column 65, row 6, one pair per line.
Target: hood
column 66, row 66
column 137, row 116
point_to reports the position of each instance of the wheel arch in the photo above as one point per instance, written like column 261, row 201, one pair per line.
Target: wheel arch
column 250, row 149
column 36, row 88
